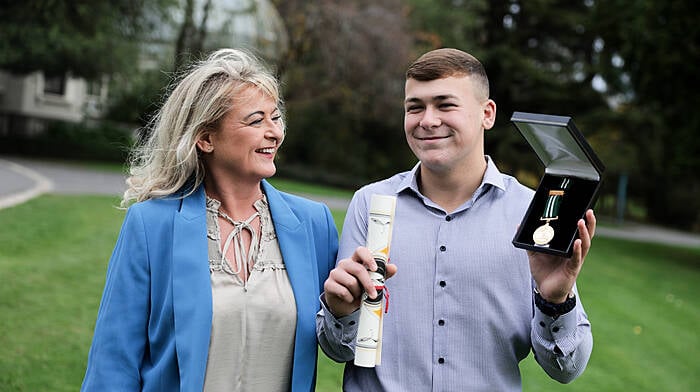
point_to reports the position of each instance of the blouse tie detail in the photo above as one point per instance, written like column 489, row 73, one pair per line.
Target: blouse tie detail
column 244, row 260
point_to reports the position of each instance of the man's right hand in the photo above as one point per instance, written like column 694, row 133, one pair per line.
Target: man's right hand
column 349, row 279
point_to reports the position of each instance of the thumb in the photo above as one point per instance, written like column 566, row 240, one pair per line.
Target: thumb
column 390, row 270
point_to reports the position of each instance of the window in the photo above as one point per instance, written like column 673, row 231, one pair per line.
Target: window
column 55, row 84
column 94, row 87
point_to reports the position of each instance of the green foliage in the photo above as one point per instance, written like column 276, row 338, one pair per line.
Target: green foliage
column 537, row 55
column 648, row 58
column 136, row 97
column 103, row 141
column 328, row 144
column 344, row 95
column 87, row 38
column 447, row 23
column 544, row 55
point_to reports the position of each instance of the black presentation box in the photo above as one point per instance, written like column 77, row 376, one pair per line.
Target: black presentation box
column 570, row 185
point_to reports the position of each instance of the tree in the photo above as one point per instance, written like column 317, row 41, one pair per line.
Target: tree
column 649, row 55
column 447, row 23
column 537, row 54
column 343, row 78
column 87, row 38
column 621, row 68
column 190, row 39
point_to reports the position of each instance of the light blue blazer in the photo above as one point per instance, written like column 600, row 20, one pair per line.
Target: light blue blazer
column 153, row 327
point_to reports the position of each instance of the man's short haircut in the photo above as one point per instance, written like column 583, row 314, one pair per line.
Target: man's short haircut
column 446, row 62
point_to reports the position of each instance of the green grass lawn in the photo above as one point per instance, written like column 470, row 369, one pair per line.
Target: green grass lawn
column 642, row 300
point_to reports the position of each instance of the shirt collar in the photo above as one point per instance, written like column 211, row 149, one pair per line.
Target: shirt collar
column 410, row 181
column 492, row 177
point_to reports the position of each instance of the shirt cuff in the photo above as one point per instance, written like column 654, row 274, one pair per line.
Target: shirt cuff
column 558, row 335
column 342, row 329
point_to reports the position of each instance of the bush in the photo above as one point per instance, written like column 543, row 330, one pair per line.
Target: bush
column 102, row 141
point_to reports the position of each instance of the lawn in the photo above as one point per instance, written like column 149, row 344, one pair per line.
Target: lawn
column 642, row 300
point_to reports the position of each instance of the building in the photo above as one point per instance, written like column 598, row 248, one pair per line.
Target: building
column 28, row 103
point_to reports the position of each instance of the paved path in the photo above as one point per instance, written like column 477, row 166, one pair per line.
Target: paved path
column 22, row 179
column 56, row 177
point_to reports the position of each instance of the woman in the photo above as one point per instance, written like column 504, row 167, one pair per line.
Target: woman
column 215, row 278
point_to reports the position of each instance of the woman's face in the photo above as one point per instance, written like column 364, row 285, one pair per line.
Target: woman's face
column 245, row 145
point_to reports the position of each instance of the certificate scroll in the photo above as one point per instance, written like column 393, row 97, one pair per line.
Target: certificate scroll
column 368, row 343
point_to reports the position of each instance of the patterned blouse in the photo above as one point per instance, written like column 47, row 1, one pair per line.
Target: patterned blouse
column 253, row 322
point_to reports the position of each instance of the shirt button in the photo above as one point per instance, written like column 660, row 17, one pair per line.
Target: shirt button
column 442, row 283
column 337, row 325
column 441, row 322
column 352, row 322
column 555, row 329
column 443, row 248
column 541, row 323
column 448, row 218
column 441, row 360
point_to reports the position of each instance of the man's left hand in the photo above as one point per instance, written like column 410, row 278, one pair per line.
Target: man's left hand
column 555, row 275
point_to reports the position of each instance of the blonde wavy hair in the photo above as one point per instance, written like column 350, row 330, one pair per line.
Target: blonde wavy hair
column 168, row 159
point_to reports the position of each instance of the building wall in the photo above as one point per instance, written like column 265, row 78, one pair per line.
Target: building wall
column 25, row 95
column 26, row 107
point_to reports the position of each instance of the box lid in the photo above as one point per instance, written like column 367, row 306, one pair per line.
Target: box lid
column 558, row 143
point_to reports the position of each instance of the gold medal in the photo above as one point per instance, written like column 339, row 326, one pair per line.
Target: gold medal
column 545, row 233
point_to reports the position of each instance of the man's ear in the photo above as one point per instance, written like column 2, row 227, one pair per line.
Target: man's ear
column 489, row 114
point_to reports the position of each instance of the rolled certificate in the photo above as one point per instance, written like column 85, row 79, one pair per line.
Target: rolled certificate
column 368, row 343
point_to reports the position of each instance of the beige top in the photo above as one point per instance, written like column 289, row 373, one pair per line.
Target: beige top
column 253, row 323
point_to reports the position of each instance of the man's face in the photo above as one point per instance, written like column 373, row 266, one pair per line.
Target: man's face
column 445, row 121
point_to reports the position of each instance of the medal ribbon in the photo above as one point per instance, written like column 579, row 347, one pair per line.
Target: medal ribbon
column 551, row 209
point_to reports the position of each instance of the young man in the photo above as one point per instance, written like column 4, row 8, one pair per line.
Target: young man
column 466, row 306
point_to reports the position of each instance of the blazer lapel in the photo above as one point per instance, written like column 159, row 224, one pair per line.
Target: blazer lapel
column 295, row 242
column 192, row 302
